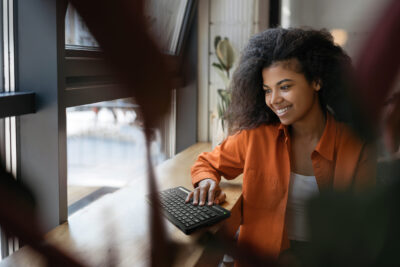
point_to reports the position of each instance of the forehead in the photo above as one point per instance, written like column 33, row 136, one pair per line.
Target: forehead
column 282, row 69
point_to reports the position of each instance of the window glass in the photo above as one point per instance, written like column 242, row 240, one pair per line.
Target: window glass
column 106, row 150
column 76, row 31
column 165, row 19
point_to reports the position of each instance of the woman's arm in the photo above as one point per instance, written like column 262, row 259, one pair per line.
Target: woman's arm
column 225, row 160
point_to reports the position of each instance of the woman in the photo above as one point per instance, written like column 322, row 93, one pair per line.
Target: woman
column 286, row 138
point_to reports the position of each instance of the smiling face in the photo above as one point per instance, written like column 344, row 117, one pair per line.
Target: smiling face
column 288, row 93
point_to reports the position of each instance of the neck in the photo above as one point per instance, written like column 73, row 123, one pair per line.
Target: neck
column 311, row 126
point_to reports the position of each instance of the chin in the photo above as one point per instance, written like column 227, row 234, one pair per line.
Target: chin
column 285, row 121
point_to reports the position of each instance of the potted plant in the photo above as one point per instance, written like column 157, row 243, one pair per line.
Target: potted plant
column 226, row 58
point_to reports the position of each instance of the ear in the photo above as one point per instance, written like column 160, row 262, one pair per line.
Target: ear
column 316, row 85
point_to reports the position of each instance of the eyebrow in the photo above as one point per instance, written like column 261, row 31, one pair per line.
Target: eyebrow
column 280, row 82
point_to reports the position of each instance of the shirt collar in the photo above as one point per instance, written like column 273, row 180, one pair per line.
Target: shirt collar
column 326, row 145
column 283, row 129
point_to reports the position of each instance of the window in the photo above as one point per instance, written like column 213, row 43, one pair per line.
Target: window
column 167, row 20
column 76, row 31
column 8, row 125
column 100, row 120
column 106, row 150
column 62, row 69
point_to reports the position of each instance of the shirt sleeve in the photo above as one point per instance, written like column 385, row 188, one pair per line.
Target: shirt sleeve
column 365, row 176
column 227, row 160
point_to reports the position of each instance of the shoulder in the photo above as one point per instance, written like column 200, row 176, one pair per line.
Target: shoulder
column 355, row 157
column 345, row 135
column 352, row 142
column 263, row 131
column 348, row 142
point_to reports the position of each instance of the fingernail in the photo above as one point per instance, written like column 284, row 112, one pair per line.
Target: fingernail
column 201, row 203
column 210, row 203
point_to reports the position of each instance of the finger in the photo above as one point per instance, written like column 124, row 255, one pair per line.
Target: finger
column 196, row 196
column 211, row 194
column 189, row 196
column 203, row 194
column 220, row 198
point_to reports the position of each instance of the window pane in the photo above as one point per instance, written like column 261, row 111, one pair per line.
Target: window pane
column 106, row 150
column 166, row 21
column 76, row 31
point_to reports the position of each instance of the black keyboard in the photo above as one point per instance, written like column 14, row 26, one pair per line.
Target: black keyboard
column 186, row 216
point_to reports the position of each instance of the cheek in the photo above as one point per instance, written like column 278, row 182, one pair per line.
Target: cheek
column 306, row 100
column 310, row 95
column 266, row 99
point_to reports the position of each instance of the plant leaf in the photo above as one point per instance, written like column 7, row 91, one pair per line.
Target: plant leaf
column 218, row 66
column 226, row 54
column 217, row 39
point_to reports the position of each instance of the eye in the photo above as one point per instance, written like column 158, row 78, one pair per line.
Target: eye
column 285, row 87
column 267, row 91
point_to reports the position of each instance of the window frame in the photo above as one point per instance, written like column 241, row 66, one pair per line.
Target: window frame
column 43, row 66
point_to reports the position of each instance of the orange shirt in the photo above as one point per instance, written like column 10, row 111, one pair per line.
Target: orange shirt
column 262, row 154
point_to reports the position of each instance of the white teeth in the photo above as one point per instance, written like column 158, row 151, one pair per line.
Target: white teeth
column 282, row 110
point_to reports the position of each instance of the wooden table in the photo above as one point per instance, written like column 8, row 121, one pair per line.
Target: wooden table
column 117, row 224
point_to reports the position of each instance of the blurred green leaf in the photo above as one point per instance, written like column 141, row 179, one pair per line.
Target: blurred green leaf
column 226, row 54
column 217, row 39
column 223, row 103
column 218, row 66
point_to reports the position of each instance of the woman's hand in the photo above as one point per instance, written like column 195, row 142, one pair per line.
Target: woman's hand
column 207, row 187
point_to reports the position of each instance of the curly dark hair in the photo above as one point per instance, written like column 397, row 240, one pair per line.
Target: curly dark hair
column 319, row 59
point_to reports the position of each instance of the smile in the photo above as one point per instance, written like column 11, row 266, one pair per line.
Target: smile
column 282, row 111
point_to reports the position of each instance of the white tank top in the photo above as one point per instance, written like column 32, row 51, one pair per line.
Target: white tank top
column 301, row 189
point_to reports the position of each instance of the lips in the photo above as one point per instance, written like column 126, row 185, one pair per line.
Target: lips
column 282, row 111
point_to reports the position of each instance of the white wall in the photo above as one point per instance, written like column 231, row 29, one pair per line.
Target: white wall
column 235, row 19
column 355, row 16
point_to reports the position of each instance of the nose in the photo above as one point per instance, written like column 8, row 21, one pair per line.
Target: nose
column 276, row 97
